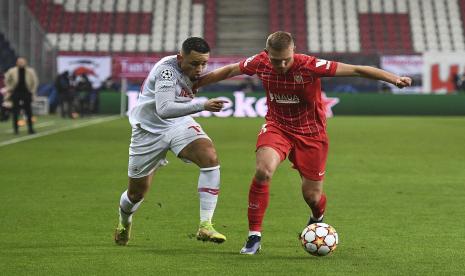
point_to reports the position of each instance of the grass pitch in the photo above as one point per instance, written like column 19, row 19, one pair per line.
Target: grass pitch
column 395, row 189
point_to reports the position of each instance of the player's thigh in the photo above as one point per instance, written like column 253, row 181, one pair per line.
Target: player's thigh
column 271, row 149
column 147, row 152
column 267, row 160
column 201, row 152
column 190, row 143
column 309, row 157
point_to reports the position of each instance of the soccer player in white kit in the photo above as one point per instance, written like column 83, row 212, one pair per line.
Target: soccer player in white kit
column 160, row 122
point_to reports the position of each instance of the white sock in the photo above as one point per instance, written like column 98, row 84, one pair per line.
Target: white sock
column 255, row 233
column 317, row 219
column 127, row 208
column 208, row 187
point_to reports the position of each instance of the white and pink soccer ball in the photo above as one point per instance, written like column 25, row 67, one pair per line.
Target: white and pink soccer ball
column 319, row 239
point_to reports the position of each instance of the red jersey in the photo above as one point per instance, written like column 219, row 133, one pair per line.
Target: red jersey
column 293, row 99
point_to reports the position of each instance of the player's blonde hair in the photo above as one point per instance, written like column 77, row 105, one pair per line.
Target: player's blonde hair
column 279, row 40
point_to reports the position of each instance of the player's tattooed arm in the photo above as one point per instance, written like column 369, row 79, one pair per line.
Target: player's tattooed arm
column 348, row 70
column 219, row 74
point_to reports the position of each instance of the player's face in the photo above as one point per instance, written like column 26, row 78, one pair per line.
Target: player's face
column 193, row 64
column 281, row 60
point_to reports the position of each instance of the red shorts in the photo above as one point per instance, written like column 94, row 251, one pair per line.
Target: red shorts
column 307, row 153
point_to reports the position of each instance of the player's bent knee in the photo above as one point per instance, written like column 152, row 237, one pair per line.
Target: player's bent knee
column 209, row 159
column 263, row 173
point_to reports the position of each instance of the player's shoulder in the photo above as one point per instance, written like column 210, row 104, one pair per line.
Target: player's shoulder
column 257, row 57
column 304, row 58
column 307, row 61
column 166, row 69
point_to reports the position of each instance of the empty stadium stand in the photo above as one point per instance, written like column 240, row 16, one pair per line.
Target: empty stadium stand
column 138, row 27
column 135, row 26
column 385, row 26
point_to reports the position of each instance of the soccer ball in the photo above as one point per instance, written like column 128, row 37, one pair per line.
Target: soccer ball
column 319, row 239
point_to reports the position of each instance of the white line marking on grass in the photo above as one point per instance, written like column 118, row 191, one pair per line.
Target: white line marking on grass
column 53, row 131
column 44, row 124
column 39, row 125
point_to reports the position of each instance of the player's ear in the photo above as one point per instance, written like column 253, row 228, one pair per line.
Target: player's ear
column 179, row 57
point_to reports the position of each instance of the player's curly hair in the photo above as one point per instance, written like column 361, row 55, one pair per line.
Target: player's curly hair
column 279, row 41
column 195, row 44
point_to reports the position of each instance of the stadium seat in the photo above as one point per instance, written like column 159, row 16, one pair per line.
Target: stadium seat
column 83, row 6
column 70, row 5
column 143, row 43
column 103, row 42
column 64, row 42
column 134, row 6
column 388, row 6
column 107, row 5
column 146, row 5
column 401, row 6
column 95, row 6
column 77, row 42
column 90, row 42
column 117, row 42
column 130, row 42
column 121, row 5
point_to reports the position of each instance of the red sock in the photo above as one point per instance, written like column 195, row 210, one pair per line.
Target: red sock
column 319, row 209
column 258, row 202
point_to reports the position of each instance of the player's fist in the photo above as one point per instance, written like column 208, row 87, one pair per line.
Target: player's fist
column 214, row 105
column 403, row 82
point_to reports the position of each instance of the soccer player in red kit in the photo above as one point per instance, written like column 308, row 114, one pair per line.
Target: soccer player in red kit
column 295, row 122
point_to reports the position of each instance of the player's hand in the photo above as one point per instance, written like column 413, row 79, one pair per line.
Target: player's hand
column 403, row 82
column 214, row 105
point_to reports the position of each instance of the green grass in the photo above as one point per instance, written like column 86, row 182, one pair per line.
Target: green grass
column 395, row 190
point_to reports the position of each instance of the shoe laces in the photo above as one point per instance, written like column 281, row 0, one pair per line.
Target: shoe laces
column 207, row 225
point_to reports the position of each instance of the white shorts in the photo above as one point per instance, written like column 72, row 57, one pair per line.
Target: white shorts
column 147, row 150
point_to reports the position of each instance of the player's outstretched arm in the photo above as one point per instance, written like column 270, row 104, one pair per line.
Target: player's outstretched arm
column 219, row 74
column 348, row 70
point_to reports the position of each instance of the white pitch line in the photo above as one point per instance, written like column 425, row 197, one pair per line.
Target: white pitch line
column 39, row 125
column 53, row 131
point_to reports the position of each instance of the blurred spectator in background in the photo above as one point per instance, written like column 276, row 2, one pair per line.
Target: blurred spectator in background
column 21, row 82
column 83, row 92
column 110, row 84
column 5, row 105
column 65, row 97
column 459, row 83
column 385, row 88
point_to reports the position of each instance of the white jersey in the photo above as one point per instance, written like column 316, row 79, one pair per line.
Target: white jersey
column 165, row 99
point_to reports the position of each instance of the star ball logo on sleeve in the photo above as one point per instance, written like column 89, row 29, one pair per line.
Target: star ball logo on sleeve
column 167, row 74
